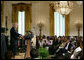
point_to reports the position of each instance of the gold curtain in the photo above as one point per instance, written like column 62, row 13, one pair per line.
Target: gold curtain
column 14, row 13
column 28, row 20
column 67, row 25
column 22, row 7
column 51, row 19
column 52, row 22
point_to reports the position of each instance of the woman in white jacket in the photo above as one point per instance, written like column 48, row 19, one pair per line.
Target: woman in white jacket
column 77, row 51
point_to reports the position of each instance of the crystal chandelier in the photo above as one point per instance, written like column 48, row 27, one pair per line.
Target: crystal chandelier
column 63, row 7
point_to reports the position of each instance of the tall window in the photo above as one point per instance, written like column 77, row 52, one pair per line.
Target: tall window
column 59, row 24
column 21, row 22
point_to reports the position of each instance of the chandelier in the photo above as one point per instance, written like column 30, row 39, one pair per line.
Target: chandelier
column 63, row 7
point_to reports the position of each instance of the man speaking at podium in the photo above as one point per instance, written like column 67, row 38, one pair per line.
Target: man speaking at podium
column 14, row 38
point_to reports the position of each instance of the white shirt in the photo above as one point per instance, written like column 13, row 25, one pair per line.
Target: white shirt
column 76, row 52
column 49, row 42
column 41, row 43
column 67, row 46
column 34, row 41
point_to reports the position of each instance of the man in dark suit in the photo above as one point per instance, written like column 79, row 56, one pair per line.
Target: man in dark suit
column 14, row 38
column 67, row 48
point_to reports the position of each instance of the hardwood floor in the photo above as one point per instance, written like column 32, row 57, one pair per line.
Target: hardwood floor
column 20, row 56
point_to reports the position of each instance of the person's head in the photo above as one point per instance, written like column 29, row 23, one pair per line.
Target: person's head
column 77, row 43
column 58, row 38
column 81, row 44
column 65, row 39
column 29, row 32
column 26, row 33
column 48, row 38
column 15, row 24
column 55, row 37
column 37, row 37
column 81, row 39
column 62, row 38
column 45, row 41
column 43, row 36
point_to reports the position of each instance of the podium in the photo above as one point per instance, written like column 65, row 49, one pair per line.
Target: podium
column 28, row 38
column 27, row 54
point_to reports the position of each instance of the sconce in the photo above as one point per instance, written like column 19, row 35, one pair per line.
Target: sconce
column 78, row 25
column 40, row 25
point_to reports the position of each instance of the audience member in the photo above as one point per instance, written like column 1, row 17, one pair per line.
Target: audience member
column 41, row 42
column 77, row 51
column 48, row 42
column 34, row 53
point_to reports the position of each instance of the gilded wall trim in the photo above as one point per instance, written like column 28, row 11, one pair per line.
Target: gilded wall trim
column 67, row 25
column 51, row 20
column 2, row 12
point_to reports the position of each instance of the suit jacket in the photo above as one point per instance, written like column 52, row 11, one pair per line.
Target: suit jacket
column 55, row 42
column 14, row 36
column 69, row 46
column 63, row 50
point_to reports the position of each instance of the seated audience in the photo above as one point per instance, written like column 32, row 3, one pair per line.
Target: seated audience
column 66, row 47
column 63, row 47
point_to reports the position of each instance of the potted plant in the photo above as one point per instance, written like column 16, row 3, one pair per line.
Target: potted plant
column 44, row 53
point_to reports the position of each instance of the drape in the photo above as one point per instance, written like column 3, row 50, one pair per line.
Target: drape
column 14, row 13
column 22, row 7
column 51, row 19
column 67, row 22
column 28, row 19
